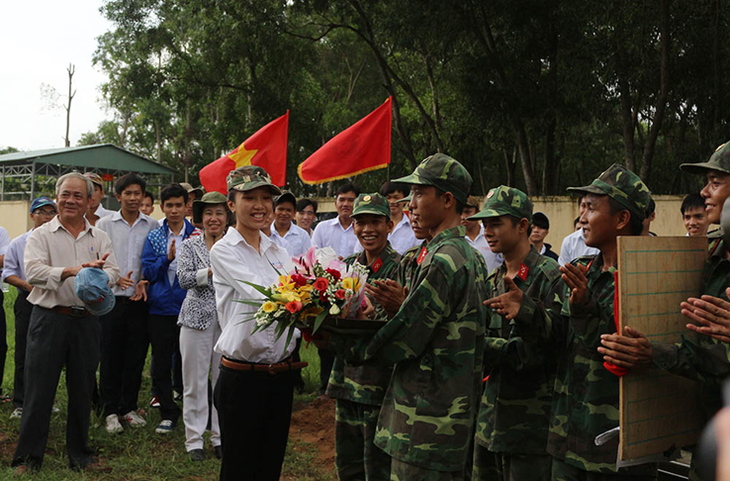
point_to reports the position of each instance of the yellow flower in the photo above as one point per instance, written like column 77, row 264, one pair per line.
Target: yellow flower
column 286, row 283
column 347, row 283
column 269, row 307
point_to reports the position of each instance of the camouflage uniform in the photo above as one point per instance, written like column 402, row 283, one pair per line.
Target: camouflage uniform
column 512, row 424
column 704, row 358
column 586, row 395
column 360, row 388
column 435, row 341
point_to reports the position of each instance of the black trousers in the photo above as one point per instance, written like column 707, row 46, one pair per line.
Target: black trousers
column 3, row 339
column 326, row 361
column 164, row 335
column 22, row 309
column 123, row 353
column 54, row 341
column 254, row 411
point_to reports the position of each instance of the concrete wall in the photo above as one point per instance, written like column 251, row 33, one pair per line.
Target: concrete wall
column 563, row 210
column 560, row 210
column 15, row 217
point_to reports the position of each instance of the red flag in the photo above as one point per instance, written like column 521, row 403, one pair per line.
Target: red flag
column 266, row 148
column 363, row 147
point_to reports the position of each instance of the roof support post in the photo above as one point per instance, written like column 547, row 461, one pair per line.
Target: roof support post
column 32, row 182
column 2, row 186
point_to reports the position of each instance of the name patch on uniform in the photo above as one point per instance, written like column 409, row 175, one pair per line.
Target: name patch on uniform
column 377, row 265
column 277, row 265
column 522, row 273
column 422, row 255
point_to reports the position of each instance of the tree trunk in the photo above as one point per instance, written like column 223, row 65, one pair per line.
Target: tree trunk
column 664, row 82
column 71, row 70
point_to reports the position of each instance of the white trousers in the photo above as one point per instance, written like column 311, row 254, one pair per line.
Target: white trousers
column 199, row 361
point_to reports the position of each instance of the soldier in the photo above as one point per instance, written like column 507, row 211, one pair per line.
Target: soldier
column 512, row 424
column 435, row 340
column 586, row 395
column 359, row 389
column 706, row 358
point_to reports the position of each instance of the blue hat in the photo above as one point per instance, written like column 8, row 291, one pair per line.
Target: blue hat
column 92, row 287
column 40, row 202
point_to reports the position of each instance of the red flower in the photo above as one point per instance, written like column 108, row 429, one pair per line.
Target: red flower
column 334, row 273
column 321, row 284
column 340, row 293
column 299, row 280
column 323, row 297
column 293, row 306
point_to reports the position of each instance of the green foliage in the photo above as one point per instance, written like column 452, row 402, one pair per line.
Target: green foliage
column 535, row 94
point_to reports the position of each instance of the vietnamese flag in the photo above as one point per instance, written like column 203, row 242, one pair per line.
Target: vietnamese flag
column 266, row 148
column 363, row 147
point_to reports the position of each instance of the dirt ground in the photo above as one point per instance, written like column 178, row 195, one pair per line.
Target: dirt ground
column 314, row 423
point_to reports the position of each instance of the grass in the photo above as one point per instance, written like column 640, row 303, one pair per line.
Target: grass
column 139, row 454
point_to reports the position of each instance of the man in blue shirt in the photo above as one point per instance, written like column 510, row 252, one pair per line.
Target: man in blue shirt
column 42, row 210
column 165, row 296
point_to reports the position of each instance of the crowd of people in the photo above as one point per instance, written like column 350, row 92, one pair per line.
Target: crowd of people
column 490, row 364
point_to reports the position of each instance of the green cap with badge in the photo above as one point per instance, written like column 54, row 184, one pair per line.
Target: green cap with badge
column 375, row 204
column 623, row 186
column 444, row 173
column 719, row 161
column 505, row 200
column 250, row 177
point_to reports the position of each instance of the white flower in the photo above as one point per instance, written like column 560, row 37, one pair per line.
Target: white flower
column 334, row 310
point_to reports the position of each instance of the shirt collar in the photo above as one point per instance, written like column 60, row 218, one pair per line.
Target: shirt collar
column 233, row 237
column 56, row 224
column 458, row 231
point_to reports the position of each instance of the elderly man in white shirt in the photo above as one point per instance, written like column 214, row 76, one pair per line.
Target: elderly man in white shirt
column 574, row 245
column 338, row 233
column 62, row 331
column 295, row 239
column 255, row 387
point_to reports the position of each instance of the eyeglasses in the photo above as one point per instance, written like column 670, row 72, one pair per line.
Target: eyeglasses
column 47, row 213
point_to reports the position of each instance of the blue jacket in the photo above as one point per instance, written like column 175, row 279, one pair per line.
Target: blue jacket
column 163, row 299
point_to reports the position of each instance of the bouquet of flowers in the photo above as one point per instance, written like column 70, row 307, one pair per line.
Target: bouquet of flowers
column 320, row 285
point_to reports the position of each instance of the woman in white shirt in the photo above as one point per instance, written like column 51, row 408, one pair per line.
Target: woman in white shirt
column 255, row 387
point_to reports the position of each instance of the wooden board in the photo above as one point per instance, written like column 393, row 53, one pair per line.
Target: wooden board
column 658, row 410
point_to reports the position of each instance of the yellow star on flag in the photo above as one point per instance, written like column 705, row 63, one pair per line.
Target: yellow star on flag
column 242, row 156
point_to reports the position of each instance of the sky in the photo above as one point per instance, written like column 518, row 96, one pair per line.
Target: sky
column 38, row 40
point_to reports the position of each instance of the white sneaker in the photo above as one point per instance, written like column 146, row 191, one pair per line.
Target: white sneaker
column 134, row 419
column 17, row 414
column 113, row 426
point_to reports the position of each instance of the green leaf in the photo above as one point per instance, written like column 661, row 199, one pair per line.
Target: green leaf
column 319, row 320
column 263, row 290
column 290, row 335
column 250, row 303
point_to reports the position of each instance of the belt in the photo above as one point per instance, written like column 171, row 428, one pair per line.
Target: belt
column 74, row 311
column 272, row 369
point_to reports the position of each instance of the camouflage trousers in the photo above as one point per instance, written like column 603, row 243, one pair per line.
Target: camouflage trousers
column 356, row 457
column 490, row 466
column 400, row 471
column 565, row 472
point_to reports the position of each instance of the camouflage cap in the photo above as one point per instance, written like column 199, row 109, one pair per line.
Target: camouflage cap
column 250, row 177
column 720, row 160
column 211, row 198
column 623, row 186
column 375, row 204
column 444, row 173
column 405, row 199
column 95, row 178
column 472, row 202
column 505, row 200
column 198, row 191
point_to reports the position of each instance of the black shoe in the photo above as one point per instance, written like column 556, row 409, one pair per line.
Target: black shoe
column 218, row 452
column 196, row 455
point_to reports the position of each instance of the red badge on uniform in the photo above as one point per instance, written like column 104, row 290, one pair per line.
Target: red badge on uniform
column 377, row 265
column 522, row 273
column 422, row 255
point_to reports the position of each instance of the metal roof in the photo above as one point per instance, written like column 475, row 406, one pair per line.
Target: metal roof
column 101, row 156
